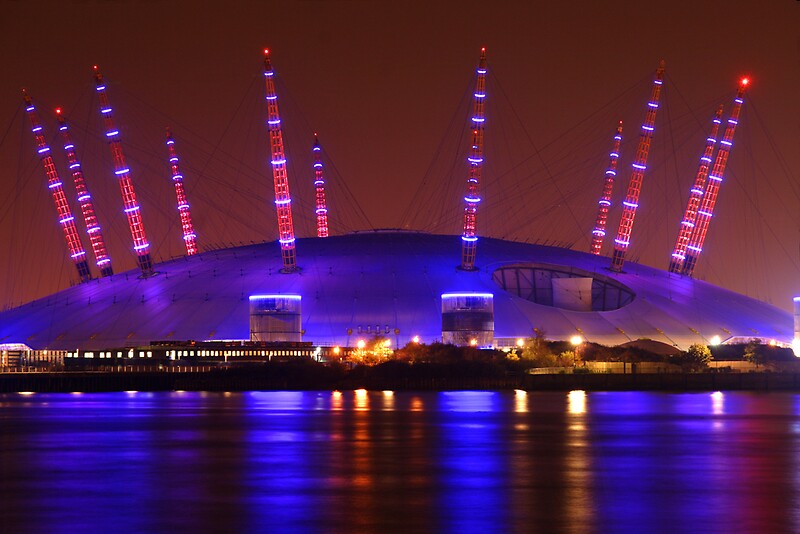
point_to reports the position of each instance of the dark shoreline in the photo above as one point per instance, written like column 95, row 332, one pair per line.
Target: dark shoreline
column 289, row 379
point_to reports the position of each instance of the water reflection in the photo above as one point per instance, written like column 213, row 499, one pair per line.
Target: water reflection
column 578, row 465
column 576, row 402
column 390, row 461
column 718, row 403
column 472, row 457
column 388, row 400
column 362, row 399
column 520, row 401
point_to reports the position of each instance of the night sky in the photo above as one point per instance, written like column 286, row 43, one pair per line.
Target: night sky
column 386, row 86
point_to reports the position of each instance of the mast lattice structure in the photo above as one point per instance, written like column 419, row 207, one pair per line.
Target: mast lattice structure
column 283, row 201
column 604, row 204
column 65, row 217
column 85, row 200
column 706, row 211
column 122, row 171
column 695, row 197
column 469, row 240
column 321, row 209
column 631, row 202
column 189, row 237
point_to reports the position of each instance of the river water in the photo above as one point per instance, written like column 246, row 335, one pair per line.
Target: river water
column 388, row 462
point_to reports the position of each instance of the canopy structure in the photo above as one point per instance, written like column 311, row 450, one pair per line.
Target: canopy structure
column 389, row 284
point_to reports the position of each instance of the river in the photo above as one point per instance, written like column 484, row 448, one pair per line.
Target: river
column 359, row 461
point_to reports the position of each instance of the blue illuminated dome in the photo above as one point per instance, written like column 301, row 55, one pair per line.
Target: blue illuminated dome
column 391, row 284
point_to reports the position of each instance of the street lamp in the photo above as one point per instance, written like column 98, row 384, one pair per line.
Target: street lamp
column 576, row 342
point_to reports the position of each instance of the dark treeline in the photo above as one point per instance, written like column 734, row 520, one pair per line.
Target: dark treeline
column 440, row 367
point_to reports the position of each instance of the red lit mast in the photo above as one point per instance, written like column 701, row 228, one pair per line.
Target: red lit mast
column 471, row 199
column 706, row 210
column 695, row 197
column 121, row 170
column 65, row 218
column 189, row 237
column 319, row 186
column 631, row 202
column 283, row 201
column 603, row 205
column 85, row 201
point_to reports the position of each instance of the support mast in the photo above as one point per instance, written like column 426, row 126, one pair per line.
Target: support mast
column 471, row 199
column 283, row 201
column 706, row 210
column 604, row 204
column 65, row 217
column 121, row 170
column 189, row 237
column 631, row 202
column 321, row 209
column 85, row 200
column 695, row 197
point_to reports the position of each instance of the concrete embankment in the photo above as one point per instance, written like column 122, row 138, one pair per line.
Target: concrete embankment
column 293, row 379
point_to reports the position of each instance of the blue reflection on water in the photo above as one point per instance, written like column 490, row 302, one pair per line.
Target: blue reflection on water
column 278, row 453
column 472, row 462
column 375, row 461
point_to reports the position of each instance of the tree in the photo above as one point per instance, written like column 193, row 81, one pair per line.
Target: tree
column 752, row 353
column 537, row 350
column 373, row 352
column 568, row 358
column 697, row 357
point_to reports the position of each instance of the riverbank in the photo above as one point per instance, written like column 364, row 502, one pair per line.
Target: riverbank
column 418, row 378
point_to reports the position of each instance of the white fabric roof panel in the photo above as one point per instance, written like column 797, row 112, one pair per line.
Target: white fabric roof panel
column 383, row 278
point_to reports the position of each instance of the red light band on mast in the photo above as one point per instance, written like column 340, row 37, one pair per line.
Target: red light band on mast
column 189, row 237
column 631, row 202
column 85, row 200
column 65, row 218
column 695, row 198
column 604, row 204
column 469, row 240
column 321, row 209
column 121, row 170
column 706, row 211
column 283, row 201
